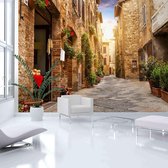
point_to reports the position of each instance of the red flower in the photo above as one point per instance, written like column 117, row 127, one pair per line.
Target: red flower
column 38, row 79
column 46, row 1
column 72, row 33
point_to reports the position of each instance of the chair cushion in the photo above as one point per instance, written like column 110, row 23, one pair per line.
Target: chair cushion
column 74, row 99
column 153, row 122
column 80, row 109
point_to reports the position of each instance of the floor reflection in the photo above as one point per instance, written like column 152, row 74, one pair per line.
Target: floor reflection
column 108, row 143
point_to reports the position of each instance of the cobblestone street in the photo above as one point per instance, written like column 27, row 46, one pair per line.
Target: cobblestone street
column 120, row 95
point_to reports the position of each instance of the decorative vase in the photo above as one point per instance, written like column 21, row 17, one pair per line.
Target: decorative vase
column 164, row 95
column 156, row 91
column 36, row 113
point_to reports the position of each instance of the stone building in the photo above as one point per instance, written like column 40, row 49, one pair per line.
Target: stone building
column 106, row 57
column 160, row 29
column 143, row 29
column 108, row 52
column 127, row 38
column 112, row 55
column 153, row 23
column 98, row 42
column 145, row 33
column 59, row 22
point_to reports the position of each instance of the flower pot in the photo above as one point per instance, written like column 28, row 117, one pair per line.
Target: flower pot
column 164, row 95
column 36, row 113
column 150, row 84
column 156, row 91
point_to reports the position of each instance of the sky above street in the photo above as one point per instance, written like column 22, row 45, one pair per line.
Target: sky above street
column 107, row 9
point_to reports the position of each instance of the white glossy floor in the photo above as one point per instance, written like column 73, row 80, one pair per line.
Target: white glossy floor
column 111, row 143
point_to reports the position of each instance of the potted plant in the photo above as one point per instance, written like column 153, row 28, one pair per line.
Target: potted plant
column 155, row 77
column 40, row 84
column 91, row 79
column 164, row 82
column 147, row 68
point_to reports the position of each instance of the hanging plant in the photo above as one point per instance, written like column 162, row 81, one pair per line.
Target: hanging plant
column 65, row 32
column 40, row 3
column 69, row 51
column 68, row 33
column 72, row 33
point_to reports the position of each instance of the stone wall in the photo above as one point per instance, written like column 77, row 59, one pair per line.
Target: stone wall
column 26, row 45
column 145, row 29
column 134, row 36
column 69, row 17
column 106, row 55
column 158, row 43
column 129, row 38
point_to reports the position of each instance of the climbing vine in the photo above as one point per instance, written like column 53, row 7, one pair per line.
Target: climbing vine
column 80, row 56
column 86, row 49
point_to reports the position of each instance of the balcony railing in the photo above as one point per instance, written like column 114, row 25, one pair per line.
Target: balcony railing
column 160, row 18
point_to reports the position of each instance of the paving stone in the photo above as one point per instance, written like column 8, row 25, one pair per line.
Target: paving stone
column 121, row 95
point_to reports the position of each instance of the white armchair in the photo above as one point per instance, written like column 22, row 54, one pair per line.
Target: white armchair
column 71, row 105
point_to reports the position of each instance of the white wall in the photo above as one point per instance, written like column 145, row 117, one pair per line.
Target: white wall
column 9, row 108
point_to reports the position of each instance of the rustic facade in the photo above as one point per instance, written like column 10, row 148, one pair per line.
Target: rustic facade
column 145, row 33
column 60, row 22
column 160, row 28
column 141, row 32
column 108, row 52
column 127, row 38
column 106, row 57
column 98, row 42
column 153, row 30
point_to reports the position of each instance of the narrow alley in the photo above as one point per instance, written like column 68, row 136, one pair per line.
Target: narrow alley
column 121, row 95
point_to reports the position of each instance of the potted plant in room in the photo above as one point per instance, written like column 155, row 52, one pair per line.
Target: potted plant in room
column 164, row 82
column 40, row 84
column 155, row 77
